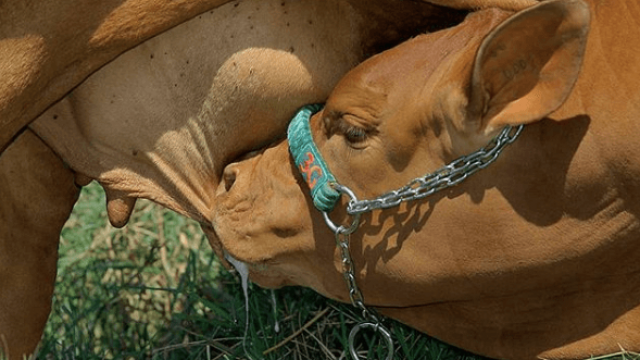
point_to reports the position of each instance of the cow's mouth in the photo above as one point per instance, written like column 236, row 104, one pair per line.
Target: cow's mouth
column 226, row 181
column 215, row 243
column 259, row 273
column 258, row 212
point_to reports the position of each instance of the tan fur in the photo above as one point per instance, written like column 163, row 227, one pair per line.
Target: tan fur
column 47, row 48
column 37, row 195
column 40, row 60
column 485, row 4
column 535, row 256
column 161, row 121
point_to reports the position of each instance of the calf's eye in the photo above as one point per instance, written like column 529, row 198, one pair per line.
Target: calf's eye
column 355, row 135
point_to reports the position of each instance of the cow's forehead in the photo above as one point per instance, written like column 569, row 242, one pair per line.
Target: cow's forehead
column 417, row 59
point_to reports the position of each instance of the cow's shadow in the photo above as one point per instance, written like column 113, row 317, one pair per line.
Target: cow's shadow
column 521, row 189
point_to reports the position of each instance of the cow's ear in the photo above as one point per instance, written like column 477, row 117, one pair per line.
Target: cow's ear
column 527, row 66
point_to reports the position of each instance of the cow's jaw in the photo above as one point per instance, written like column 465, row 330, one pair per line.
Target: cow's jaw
column 264, row 218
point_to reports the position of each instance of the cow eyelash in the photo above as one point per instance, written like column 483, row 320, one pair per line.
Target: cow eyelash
column 353, row 134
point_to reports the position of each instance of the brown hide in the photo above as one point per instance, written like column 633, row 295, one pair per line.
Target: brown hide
column 535, row 256
column 47, row 48
column 162, row 120
column 37, row 194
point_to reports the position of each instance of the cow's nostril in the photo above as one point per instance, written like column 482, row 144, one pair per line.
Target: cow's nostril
column 229, row 177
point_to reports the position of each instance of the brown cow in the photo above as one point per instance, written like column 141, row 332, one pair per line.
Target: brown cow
column 37, row 194
column 46, row 48
column 162, row 121
column 535, row 256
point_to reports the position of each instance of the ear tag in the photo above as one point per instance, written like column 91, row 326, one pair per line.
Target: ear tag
column 309, row 161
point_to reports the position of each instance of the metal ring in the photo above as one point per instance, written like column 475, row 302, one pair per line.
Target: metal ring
column 375, row 327
column 356, row 218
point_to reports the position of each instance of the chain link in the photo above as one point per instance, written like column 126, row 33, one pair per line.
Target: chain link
column 349, row 273
column 342, row 235
column 445, row 177
column 372, row 321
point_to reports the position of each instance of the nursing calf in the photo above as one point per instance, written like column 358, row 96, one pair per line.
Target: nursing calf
column 535, row 256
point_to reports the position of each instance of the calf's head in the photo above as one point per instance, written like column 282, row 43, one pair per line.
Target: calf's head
column 397, row 116
column 400, row 115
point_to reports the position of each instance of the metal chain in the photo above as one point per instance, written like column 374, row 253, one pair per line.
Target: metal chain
column 342, row 235
column 445, row 177
column 349, row 273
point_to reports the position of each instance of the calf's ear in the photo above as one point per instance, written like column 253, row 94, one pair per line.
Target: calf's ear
column 527, row 66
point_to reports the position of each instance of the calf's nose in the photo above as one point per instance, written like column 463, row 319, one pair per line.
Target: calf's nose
column 232, row 171
column 229, row 176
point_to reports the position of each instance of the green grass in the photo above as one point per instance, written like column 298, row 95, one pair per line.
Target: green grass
column 154, row 290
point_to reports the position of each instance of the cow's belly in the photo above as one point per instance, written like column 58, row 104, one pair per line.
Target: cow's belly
column 161, row 121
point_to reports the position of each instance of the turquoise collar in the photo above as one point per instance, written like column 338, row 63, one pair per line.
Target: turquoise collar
column 309, row 161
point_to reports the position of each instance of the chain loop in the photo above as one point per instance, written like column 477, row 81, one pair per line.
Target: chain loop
column 386, row 335
column 356, row 218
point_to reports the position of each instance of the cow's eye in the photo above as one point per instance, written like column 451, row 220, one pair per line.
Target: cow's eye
column 355, row 135
column 353, row 129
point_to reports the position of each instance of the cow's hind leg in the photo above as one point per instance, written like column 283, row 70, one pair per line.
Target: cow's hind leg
column 37, row 194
